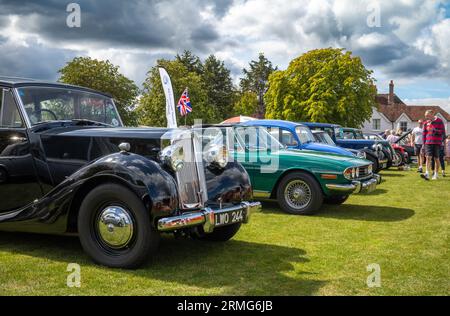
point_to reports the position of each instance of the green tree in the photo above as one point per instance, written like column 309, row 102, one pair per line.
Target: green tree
column 190, row 61
column 247, row 104
column 219, row 86
column 324, row 85
column 256, row 78
column 105, row 77
column 152, row 105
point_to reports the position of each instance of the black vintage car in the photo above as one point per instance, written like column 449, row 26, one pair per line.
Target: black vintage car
column 67, row 165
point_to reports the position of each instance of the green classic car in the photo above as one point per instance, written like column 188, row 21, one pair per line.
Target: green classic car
column 301, row 181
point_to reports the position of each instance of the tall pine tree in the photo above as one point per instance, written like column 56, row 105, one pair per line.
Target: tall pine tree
column 256, row 80
column 219, row 86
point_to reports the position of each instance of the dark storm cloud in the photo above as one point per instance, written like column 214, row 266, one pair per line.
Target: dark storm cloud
column 414, row 64
column 397, row 58
column 220, row 7
column 146, row 30
column 34, row 61
column 382, row 53
column 135, row 24
column 205, row 33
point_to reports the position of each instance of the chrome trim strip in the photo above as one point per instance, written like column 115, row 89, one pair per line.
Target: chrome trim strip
column 341, row 187
column 198, row 154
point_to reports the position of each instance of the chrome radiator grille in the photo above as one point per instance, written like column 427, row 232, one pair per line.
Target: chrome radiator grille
column 191, row 178
column 364, row 172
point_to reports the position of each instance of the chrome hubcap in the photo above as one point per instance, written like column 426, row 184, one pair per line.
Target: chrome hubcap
column 115, row 226
column 297, row 194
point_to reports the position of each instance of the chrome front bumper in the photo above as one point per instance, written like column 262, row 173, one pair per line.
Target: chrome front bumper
column 356, row 186
column 205, row 217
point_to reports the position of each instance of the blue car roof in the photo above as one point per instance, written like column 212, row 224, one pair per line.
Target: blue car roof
column 278, row 123
column 320, row 124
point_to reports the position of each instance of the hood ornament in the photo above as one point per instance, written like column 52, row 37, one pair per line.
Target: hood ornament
column 124, row 147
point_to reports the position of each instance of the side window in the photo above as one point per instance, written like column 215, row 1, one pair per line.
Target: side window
column 288, row 139
column 9, row 113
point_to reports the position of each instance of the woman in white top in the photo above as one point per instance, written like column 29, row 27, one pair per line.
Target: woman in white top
column 392, row 138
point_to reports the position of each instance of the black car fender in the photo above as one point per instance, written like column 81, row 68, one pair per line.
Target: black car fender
column 59, row 207
column 370, row 152
column 151, row 183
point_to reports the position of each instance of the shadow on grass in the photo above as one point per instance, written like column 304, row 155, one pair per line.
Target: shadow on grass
column 371, row 213
column 237, row 267
column 354, row 212
column 393, row 174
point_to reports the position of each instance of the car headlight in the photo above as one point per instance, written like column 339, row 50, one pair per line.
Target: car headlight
column 216, row 155
column 377, row 147
column 370, row 169
column 351, row 173
column 173, row 156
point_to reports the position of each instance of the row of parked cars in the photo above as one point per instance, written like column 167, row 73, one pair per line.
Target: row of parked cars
column 332, row 138
column 68, row 165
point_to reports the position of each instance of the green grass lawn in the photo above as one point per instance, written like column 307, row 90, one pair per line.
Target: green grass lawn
column 403, row 227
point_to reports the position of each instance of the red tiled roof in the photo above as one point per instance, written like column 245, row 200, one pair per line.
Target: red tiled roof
column 384, row 99
column 414, row 112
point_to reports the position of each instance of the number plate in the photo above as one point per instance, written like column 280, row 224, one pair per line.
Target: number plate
column 228, row 218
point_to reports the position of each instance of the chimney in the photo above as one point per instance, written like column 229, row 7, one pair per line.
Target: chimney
column 391, row 97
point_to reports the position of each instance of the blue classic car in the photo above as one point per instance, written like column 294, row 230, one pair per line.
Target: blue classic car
column 298, row 136
column 380, row 152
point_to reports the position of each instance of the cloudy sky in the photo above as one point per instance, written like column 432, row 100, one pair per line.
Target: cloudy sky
column 410, row 44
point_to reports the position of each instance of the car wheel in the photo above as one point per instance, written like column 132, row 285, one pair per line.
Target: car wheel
column 299, row 193
column 337, row 199
column 222, row 234
column 114, row 227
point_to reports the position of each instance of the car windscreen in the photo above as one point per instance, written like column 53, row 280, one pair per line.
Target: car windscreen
column 327, row 139
column 304, row 134
column 53, row 104
column 358, row 134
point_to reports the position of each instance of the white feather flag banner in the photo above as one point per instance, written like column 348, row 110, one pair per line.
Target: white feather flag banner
column 170, row 100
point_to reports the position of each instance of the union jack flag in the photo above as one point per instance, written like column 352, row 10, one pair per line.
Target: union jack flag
column 184, row 105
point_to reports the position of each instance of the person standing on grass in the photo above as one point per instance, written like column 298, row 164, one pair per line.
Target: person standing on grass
column 447, row 150
column 441, row 155
column 417, row 143
column 432, row 139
